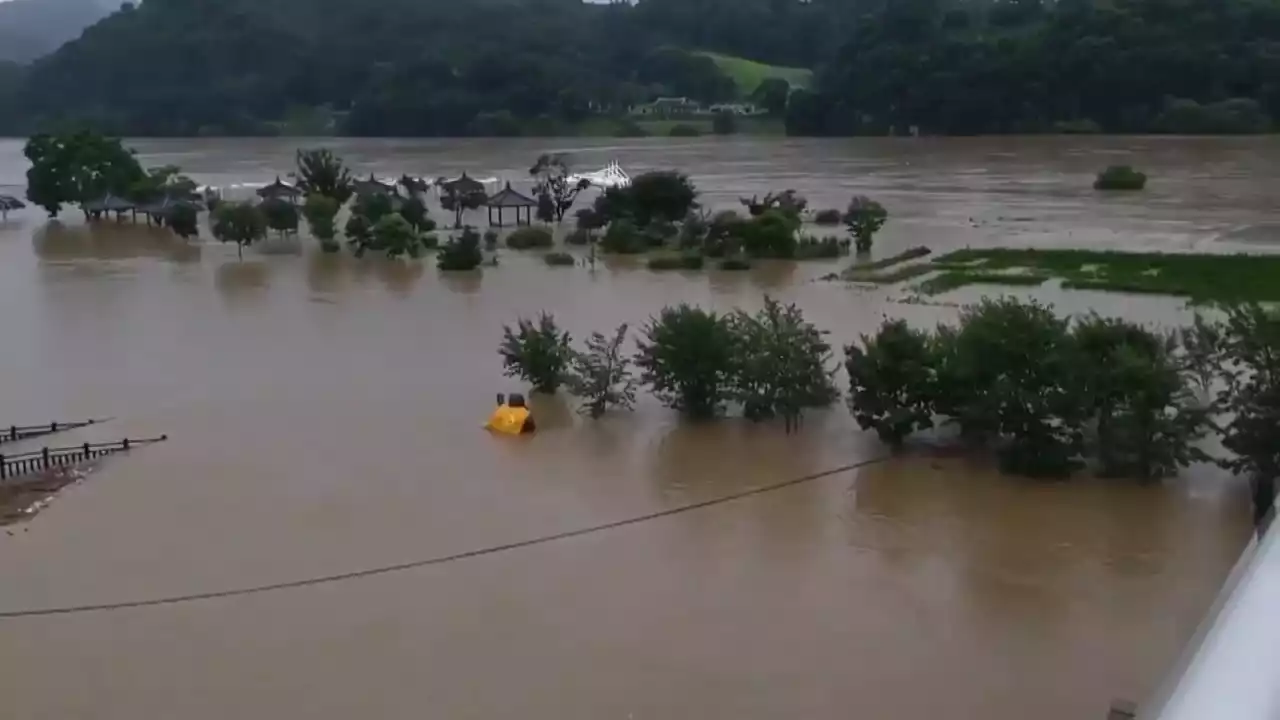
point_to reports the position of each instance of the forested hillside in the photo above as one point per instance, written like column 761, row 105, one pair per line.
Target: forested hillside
column 496, row 67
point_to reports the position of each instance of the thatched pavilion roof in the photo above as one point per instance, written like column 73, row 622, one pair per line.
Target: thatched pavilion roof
column 510, row 198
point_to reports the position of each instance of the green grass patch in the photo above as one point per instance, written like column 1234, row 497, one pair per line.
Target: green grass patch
column 909, row 272
column 748, row 74
column 1201, row 277
column 955, row 279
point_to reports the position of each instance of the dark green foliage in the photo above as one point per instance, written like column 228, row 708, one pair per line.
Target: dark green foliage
column 414, row 211
column 658, row 195
column 430, row 241
column 490, row 240
column 578, row 237
column 771, row 235
column 529, row 237
column 788, row 203
column 373, row 206
column 830, row 216
column 458, row 200
column 160, row 183
column 183, row 219
column 864, row 217
column 601, row 374
column 1015, row 67
column 78, row 167
column 723, row 236
column 893, row 381
column 282, row 215
column 824, row 248
column 1251, row 345
column 1147, row 418
column 555, row 193
column 588, row 219
column 771, row 94
column 684, row 130
column 780, row 364
column 686, row 358
column 724, row 123
column 394, row 236
column 461, row 253
column 538, row 354
column 240, row 223
column 1006, row 376
column 320, row 172
column 693, row 232
column 681, row 261
column 1120, row 177
column 559, row 259
column 624, row 238
column 359, row 232
column 321, row 212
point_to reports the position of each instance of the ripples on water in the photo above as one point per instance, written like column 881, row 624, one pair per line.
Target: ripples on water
column 324, row 415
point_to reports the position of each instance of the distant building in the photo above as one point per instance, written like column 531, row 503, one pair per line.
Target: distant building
column 744, row 109
column 668, row 107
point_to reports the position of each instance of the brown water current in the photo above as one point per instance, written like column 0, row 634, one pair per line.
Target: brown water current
column 324, row 416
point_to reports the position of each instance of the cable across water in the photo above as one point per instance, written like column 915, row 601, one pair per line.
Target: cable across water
column 440, row 559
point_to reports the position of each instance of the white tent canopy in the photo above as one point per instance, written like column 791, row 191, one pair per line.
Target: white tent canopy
column 611, row 176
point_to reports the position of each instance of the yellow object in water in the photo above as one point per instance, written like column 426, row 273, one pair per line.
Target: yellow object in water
column 510, row 420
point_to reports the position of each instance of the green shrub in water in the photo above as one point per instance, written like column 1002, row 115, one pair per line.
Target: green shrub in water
column 559, row 259
column 536, row 353
column 1120, row 177
column 830, row 216
column 527, row 238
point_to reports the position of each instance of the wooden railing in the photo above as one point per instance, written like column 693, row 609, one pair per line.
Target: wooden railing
column 44, row 459
column 14, row 433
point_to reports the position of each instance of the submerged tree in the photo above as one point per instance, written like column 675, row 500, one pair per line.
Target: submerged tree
column 780, row 363
column 538, row 354
column 654, row 196
column 1252, row 401
column 320, row 172
column 321, row 212
column 394, row 236
column 77, row 167
column 601, row 375
column 864, row 217
column 183, row 219
column 892, row 381
column 239, row 222
column 556, row 193
column 686, row 358
column 461, row 253
column 282, row 215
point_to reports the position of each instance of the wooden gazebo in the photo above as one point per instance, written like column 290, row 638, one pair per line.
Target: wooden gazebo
column 279, row 190
column 9, row 203
column 508, row 198
column 461, row 186
column 374, row 186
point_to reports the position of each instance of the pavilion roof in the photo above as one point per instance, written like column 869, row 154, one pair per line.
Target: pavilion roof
column 9, row 202
column 374, row 185
column 279, row 188
column 464, row 184
column 510, row 198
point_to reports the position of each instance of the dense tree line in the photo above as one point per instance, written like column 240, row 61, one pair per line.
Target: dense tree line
column 501, row 67
column 946, row 67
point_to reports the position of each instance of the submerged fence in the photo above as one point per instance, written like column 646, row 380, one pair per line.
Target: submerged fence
column 44, row 459
column 14, row 433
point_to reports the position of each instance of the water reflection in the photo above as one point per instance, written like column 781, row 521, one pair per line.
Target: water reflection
column 465, row 282
column 110, row 240
column 326, row 273
column 243, row 283
column 399, row 276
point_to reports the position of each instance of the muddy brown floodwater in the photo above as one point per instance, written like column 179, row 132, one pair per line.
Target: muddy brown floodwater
column 324, row 416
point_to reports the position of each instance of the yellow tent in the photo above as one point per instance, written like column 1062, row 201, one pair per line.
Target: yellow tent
column 510, row 420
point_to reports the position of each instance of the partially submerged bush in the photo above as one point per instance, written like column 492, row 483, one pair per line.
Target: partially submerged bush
column 892, row 378
column 686, row 358
column 490, row 240
column 623, row 238
column 559, row 259
column 461, row 253
column 396, row 237
column 282, row 215
column 830, row 216
column 780, row 364
column 538, row 354
column 601, row 374
column 825, row 248
column 864, row 217
column 529, row 237
column 320, row 212
column 770, row 235
column 735, row 263
column 1120, row 177
column 658, row 195
column 579, row 237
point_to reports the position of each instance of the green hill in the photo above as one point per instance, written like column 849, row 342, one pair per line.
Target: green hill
column 748, row 74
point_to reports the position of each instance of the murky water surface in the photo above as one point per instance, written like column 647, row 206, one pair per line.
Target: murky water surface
column 324, row 416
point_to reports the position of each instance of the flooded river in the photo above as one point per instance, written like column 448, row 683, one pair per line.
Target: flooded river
column 324, row 416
